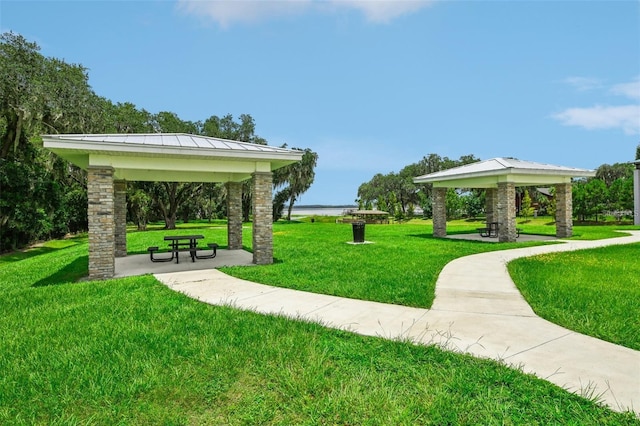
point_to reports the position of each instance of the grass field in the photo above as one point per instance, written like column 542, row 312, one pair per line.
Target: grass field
column 130, row 351
column 595, row 292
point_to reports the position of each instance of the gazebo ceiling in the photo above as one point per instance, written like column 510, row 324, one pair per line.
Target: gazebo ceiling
column 488, row 173
column 174, row 157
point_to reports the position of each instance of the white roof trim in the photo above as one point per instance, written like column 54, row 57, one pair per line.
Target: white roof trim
column 170, row 156
column 165, row 143
column 490, row 172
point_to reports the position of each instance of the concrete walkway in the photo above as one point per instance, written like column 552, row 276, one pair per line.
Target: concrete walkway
column 477, row 310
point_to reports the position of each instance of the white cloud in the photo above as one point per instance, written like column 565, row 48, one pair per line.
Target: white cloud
column 630, row 90
column 228, row 12
column 583, row 84
column 625, row 117
column 382, row 11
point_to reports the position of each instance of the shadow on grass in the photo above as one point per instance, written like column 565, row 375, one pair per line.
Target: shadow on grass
column 17, row 256
column 431, row 237
column 445, row 240
column 69, row 274
column 293, row 222
column 37, row 250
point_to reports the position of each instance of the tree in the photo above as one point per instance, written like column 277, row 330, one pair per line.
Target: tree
column 40, row 95
column 474, row 202
column 227, row 128
column 297, row 177
column 213, row 196
column 551, row 205
column 454, row 204
column 620, row 195
column 169, row 122
column 526, row 209
column 278, row 203
column 596, row 195
column 638, row 152
column 126, row 118
column 139, row 205
column 579, row 199
column 169, row 196
column 609, row 173
column 401, row 184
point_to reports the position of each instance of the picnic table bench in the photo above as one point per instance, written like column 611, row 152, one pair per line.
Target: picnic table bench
column 184, row 243
column 491, row 230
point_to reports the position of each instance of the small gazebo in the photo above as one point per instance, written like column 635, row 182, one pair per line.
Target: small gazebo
column 500, row 177
column 113, row 159
column 368, row 216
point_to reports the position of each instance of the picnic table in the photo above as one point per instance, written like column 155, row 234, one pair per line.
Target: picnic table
column 491, row 230
column 184, row 243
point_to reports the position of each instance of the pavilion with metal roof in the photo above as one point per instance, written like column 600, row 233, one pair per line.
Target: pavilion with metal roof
column 113, row 159
column 500, row 177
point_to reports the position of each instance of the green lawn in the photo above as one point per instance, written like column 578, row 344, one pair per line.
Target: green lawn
column 130, row 351
column 400, row 267
column 595, row 292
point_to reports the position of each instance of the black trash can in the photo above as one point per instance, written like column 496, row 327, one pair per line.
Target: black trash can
column 358, row 232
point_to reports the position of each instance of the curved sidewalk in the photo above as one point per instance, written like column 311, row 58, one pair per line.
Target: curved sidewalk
column 477, row 310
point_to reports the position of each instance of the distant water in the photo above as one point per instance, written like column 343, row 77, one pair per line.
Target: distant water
column 318, row 211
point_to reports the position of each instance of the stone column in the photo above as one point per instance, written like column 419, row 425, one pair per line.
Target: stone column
column 234, row 215
column 262, row 218
column 101, row 222
column 506, row 212
column 491, row 205
column 438, row 201
column 636, row 195
column 120, row 207
column 564, row 211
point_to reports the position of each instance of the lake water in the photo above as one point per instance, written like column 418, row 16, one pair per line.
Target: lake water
column 328, row 211
column 318, row 211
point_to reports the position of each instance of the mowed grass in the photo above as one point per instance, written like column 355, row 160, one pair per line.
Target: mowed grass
column 131, row 351
column 400, row 266
column 595, row 292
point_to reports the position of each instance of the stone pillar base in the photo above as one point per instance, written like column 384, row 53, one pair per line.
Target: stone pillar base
column 262, row 218
column 439, row 196
column 101, row 223
column 490, row 205
column 564, row 211
column 506, row 212
column 234, row 215
column 120, row 217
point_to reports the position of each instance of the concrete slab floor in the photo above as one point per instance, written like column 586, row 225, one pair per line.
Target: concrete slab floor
column 140, row 264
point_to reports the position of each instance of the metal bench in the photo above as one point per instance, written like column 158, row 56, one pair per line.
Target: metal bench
column 154, row 249
column 491, row 230
column 213, row 247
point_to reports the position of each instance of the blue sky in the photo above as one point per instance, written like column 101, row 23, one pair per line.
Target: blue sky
column 371, row 86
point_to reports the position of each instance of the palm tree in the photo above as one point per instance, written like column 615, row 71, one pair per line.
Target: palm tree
column 299, row 177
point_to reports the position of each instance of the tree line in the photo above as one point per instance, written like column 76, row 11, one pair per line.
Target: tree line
column 609, row 193
column 42, row 196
